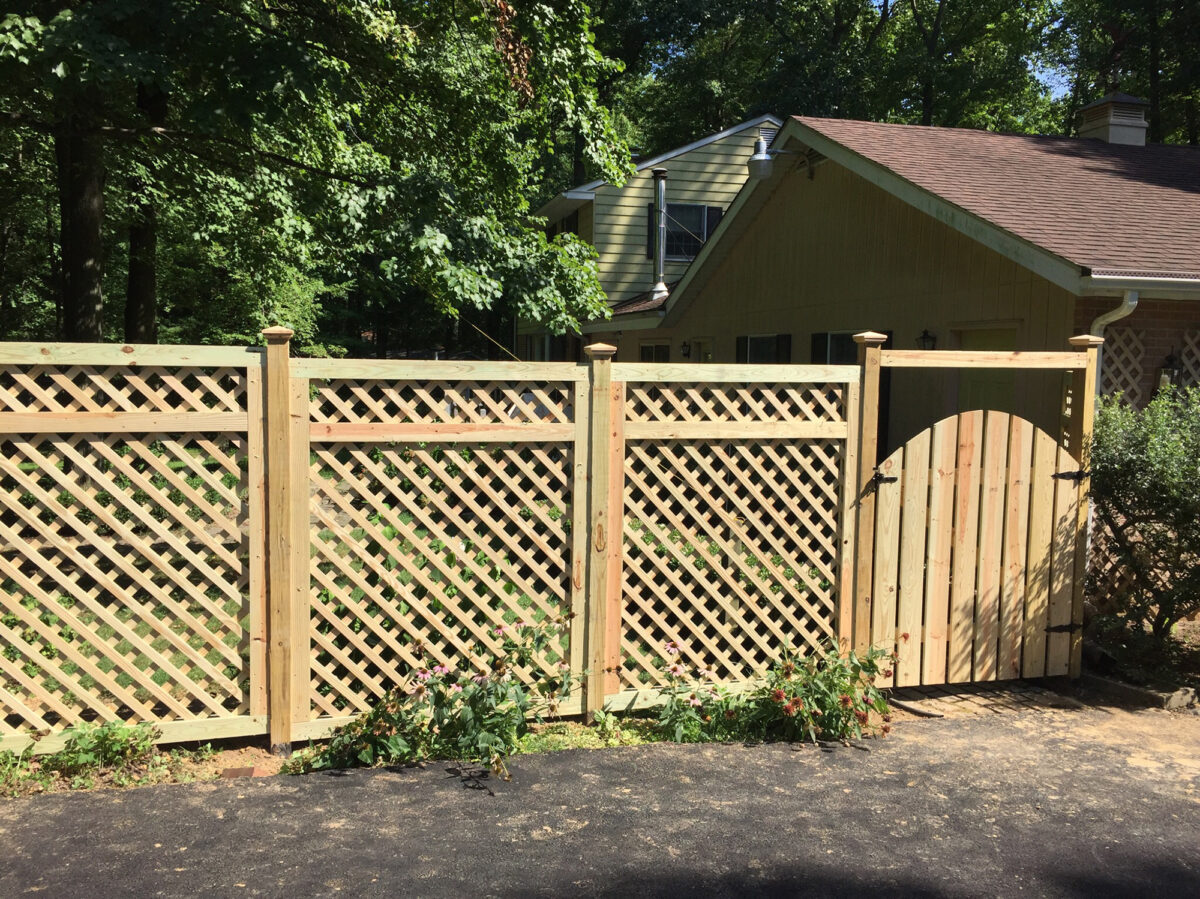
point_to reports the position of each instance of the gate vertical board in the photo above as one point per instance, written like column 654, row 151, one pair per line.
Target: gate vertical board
column 1062, row 567
column 913, row 552
column 1037, row 576
column 991, row 544
column 966, row 533
column 1016, row 545
column 940, row 543
column 887, row 555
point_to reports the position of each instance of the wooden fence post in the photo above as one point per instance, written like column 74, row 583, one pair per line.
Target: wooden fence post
column 869, row 344
column 1084, row 406
column 287, row 643
column 606, row 519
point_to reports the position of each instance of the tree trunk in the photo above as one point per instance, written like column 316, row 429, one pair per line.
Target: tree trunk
column 927, row 95
column 1191, row 121
column 1155, row 41
column 141, row 296
column 80, row 160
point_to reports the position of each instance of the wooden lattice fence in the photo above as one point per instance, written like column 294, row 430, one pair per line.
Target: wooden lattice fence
column 733, row 488
column 228, row 542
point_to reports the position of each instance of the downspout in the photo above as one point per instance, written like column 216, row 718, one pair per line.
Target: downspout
column 1128, row 303
column 659, row 291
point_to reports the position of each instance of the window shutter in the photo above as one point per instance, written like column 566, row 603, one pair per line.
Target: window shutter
column 783, row 348
column 820, row 348
column 712, row 219
column 649, row 230
column 743, row 349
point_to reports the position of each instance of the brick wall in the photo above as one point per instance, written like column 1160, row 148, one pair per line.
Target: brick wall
column 1163, row 326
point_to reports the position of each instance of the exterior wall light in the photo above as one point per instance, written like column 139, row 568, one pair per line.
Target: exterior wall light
column 762, row 163
column 685, row 350
column 1170, row 372
column 926, row 340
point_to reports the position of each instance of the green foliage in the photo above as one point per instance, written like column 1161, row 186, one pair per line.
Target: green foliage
column 474, row 717
column 320, row 165
column 829, row 696
column 113, row 754
column 1145, row 486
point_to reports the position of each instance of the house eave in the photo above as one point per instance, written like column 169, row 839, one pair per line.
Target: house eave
column 642, row 322
column 1148, row 287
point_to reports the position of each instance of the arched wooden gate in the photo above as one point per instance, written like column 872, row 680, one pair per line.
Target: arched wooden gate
column 971, row 536
column 975, row 541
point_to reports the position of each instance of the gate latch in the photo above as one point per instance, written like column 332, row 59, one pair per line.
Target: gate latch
column 880, row 478
column 1075, row 476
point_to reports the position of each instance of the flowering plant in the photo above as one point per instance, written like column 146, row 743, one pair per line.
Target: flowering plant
column 476, row 716
column 826, row 696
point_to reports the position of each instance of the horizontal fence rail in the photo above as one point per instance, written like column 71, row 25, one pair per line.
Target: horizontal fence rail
column 225, row 542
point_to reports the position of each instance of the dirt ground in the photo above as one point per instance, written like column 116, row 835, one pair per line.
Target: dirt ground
column 1072, row 800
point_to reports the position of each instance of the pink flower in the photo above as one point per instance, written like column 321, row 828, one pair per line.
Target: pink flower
column 480, row 678
column 440, row 669
column 672, row 648
column 501, row 630
column 677, row 670
column 695, row 701
column 456, row 688
column 423, row 675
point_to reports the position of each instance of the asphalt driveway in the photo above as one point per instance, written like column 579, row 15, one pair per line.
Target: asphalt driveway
column 1077, row 803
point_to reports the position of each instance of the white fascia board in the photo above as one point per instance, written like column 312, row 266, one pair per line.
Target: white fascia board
column 564, row 204
column 694, row 145
column 1149, row 288
column 1054, row 269
column 625, row 323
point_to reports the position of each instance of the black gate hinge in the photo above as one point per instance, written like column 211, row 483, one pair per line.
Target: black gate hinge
column 1064, row 628
column 1075, row 476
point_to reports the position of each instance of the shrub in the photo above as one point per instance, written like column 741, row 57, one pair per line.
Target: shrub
column 472, row 717
column 1145, row 469
column 826, row 696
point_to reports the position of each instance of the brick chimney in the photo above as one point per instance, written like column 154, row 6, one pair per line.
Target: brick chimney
column 1115, row 118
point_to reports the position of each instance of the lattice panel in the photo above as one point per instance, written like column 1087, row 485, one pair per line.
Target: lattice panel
column 123, row 570
column 421, row 552
column 734, row 402
column 1124, row 361
column 730, row 551
column 1190, row 359
column 442, row 402
column 86, row 388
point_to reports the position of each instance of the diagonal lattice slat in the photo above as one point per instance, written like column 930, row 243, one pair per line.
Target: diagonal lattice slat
column 441, row 402
column 1189, row 359
column 730, row 551
column 420, row 552
column 124, row 573
column 1124, row 364
column 734, row 402
column 85, row 388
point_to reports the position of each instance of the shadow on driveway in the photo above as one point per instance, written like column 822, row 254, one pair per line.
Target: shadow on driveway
column 1072, row 803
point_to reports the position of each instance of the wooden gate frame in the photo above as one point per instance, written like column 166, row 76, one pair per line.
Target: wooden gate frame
column 872, row 358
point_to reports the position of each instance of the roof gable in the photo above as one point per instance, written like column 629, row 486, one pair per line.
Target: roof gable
column 1106, row 208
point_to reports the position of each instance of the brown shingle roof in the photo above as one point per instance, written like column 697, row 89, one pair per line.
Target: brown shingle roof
column 1113, row 209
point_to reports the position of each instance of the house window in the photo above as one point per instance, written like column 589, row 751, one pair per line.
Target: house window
column 839, row 348
column 689, row 225
column 655, row 351
column 765, row 348
column 702, row 349
column 834, row 348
